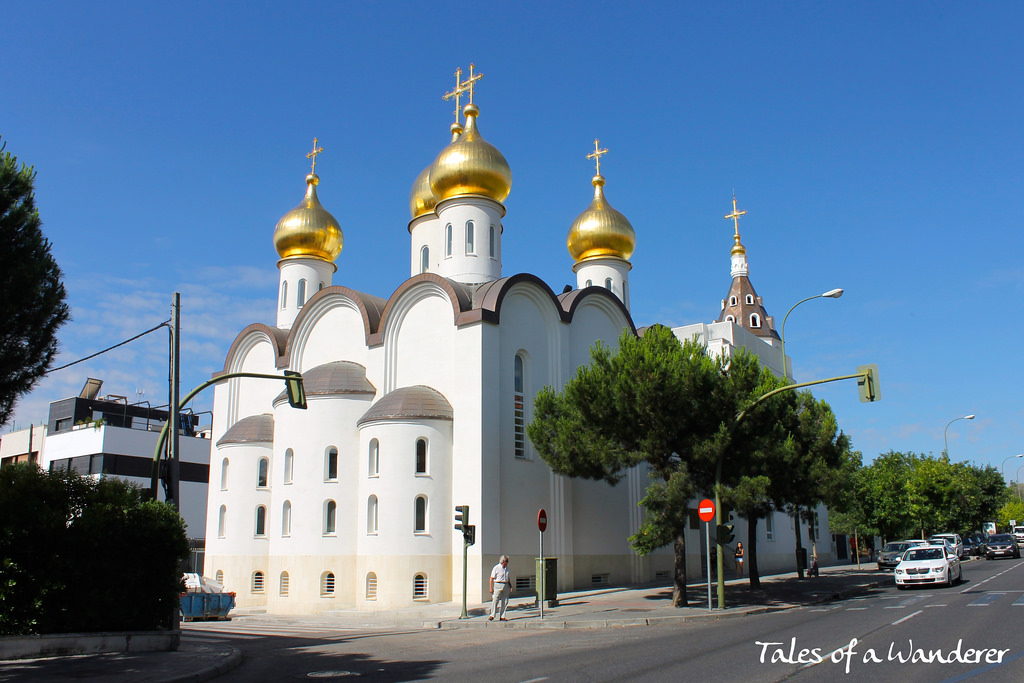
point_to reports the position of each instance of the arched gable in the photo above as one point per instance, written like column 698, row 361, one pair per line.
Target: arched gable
column 327, row 305
column 458, row 296
column 249, row 338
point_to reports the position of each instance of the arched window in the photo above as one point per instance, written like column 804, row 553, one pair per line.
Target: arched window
column 300, row 296
column 327, row 585
column 320, row 286
column 371, row 515
column 285, row 584
column 261, row 520
column 330, row 517
column 608, row 283
column 286, row 518
column 262, row 470
column 424, row 259
column 755, row 320
column 448, row 240
column 730, row 319
column 373, row 467
column 289, row 465
column 331, row 464
column 625, row 292
column 219, row 576
column 750, row 299
column 371, row 586
column 519, row 408
column 769, row 526
column 590, row 283
column 284, row 295
column 490, row 242
column 421, row 456
column 224, row 474
column 420, row 514
column 419, row 587
column 221, row 520
column 470, row 238
column 257, row 582
column 732, row 301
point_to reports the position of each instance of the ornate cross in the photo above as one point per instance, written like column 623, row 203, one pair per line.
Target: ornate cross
column 735, row 216
column 456, row 93
column 596, row 155
column 471, row 81
column 312, row 155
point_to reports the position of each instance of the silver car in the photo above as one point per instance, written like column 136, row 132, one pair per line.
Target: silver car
column 892, row 553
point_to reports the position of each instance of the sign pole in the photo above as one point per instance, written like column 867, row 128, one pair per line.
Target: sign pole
column 706, row 512
column 542, row 525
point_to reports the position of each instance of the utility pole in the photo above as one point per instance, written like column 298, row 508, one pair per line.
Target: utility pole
column 174, row 471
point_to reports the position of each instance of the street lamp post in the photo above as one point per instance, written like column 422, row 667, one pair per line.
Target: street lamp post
column 1017, row 484
column 1007, row 459
column 830, row 294
column 945, row 440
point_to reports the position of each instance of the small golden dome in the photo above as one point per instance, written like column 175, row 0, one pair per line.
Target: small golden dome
column 600, row 230
column 421, row 199
column 738, row 248
column 470, row 165
column 309, row 230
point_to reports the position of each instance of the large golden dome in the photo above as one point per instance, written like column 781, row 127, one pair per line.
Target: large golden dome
column 421, row 198
column 470, row 165
column 309, row 230
column 600, row 230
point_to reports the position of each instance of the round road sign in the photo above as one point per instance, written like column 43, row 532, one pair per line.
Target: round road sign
column 706, row 510
column 542, row 520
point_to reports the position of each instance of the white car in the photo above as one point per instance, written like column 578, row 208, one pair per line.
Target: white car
column 953, row 540
column 929, row 565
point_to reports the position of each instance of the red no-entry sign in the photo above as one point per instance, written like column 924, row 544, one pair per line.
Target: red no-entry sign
column 542, row 520
column 706, row 510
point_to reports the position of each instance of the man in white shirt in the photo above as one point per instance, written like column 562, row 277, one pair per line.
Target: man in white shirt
column 501, row 589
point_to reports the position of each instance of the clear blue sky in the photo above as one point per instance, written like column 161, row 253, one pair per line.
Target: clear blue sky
column 876, row 147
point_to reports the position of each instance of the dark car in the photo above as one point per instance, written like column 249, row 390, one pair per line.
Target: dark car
column 892, row 553
column 1002, row 545
column 979, row 543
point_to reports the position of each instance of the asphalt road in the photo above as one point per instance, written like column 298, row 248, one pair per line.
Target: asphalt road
column 969, row 632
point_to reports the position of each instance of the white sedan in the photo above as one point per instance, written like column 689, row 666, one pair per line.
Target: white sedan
column 933, row 564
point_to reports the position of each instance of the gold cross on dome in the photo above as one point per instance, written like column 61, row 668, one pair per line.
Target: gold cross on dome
column 596, row 155
column 471, row 81
column 735, row 216
column 456, row 93
column 312, row 155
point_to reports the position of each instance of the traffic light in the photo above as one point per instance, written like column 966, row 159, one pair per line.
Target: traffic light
column 867, row 383
column 724, row 533
column 469, row 534
column 295, row 389
column 462, row 518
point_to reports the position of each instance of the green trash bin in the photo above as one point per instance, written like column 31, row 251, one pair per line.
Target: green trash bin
column 550, row 574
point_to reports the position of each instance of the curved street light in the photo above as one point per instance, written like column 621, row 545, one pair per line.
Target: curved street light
column 946, row 442
column 1005, row 460
column 830, row 294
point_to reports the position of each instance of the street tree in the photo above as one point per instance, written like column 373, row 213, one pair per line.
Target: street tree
column 32, row 306
column 654, row 401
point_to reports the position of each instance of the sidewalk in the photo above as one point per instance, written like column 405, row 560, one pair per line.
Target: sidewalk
column 613, row 607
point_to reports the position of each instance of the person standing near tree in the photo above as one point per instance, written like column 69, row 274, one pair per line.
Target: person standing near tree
column 739, row 559
column 501, row 589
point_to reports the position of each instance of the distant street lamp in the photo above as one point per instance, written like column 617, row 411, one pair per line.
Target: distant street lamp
column 946, row 442
column 1003, row 466
column 1017, row 484
column 830, row 294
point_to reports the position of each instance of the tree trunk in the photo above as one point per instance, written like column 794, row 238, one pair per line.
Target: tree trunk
column 679, row 574
column 755, row 579
column 799, row 545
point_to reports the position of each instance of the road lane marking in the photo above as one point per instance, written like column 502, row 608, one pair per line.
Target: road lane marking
column 1019, row 602
column 855, row 609
column 986, row 599
column 909, row 616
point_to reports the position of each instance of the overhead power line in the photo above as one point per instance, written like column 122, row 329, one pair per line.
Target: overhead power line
column 82, row 360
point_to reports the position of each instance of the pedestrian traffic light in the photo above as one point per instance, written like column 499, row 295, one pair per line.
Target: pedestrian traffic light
column 469, row 534
column 724, row 533
column 867, row 383
column 462, row 518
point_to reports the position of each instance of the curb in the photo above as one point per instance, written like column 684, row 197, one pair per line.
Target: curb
column 232, row 661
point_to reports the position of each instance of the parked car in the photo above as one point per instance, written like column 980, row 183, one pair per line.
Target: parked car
column 1002, row 545
column 1018, row 533
column 892, row 553
column 954, row 540
column 928, row 565
column 978, row 544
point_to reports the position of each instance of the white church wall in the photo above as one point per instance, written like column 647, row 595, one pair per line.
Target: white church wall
column 331, row 330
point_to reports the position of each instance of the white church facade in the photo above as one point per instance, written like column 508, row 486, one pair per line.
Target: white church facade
column 418, row 403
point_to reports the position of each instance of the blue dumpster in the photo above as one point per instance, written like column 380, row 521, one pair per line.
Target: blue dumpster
column 206, row 605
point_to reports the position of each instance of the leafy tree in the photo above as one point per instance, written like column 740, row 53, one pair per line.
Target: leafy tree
column 1013, row 509
column 655, row 401
column 32, row 306
column 886, row 493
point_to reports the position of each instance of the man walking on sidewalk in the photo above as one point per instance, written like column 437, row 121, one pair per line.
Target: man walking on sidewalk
column 500, row 589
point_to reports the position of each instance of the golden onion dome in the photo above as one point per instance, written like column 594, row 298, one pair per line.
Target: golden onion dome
column 421, row 199
column 309, row 230
column 738, row 248
column 470, row 165
column 600, row 230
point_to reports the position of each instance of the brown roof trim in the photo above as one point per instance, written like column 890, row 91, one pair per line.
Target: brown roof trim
column 278, row 339
column 458, row 295
column 370, row 308
column 571, row 301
